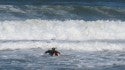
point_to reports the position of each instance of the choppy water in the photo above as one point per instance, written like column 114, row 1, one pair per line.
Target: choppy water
column 34, row 59
column 88, row 33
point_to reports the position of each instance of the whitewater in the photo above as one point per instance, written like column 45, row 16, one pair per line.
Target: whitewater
column 89, row 34
column 82, row 35
column 93, row 45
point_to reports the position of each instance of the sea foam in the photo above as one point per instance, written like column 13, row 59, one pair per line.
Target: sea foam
column 77, row 35
column 37, row 29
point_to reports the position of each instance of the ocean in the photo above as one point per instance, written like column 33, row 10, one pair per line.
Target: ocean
column 90, row 34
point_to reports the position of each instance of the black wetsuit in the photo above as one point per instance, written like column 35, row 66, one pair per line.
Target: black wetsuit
column 53, row 52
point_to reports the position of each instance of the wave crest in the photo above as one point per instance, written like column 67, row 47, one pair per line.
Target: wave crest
column 64, row 30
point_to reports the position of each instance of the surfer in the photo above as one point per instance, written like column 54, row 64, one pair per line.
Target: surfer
column 53, row 52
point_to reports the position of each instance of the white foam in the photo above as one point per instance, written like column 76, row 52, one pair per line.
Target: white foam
column 77, row 46
column 64, row 30
column 69, row 34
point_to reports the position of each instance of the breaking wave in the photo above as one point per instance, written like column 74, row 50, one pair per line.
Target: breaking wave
column 65, row 30
column 78, row 35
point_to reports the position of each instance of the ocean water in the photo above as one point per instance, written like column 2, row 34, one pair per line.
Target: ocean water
column 90, row 34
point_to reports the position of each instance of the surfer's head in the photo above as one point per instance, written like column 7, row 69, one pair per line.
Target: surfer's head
column 53, row 48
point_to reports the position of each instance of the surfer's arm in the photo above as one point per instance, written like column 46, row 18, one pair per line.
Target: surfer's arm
column 46, row 52
column 58, row 52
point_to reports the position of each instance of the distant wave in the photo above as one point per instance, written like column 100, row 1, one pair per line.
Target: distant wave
column 58, row 2
column 59, row 12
